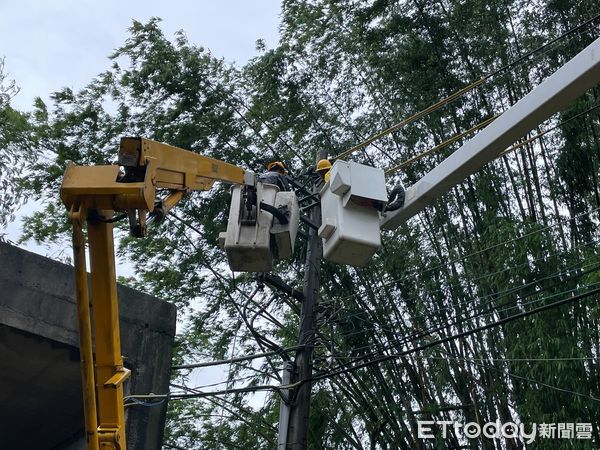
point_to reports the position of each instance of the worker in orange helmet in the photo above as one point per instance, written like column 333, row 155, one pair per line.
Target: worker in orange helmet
column 275, row 174
column 323, row 169
column 277, row 166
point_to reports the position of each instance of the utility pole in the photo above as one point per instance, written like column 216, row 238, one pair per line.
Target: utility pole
column 299, row 406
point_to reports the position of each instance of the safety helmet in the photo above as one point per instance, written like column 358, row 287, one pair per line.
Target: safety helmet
column 323, row 164
column 276, row 165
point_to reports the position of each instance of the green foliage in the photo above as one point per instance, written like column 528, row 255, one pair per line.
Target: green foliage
column 516, row 235
column 15, row 148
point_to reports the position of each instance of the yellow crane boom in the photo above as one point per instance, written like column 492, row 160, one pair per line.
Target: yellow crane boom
column 92, row 194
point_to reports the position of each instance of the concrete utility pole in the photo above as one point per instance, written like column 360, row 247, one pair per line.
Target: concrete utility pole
column 300, row 398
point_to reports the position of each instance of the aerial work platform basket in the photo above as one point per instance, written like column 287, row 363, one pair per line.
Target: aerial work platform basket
column 351, row 203
column 261, row 230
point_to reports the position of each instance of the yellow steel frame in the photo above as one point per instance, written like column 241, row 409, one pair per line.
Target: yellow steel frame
column 102, row 388
column 92, row 194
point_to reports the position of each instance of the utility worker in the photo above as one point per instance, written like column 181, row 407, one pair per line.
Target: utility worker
column 275, row 174
column 323, row 169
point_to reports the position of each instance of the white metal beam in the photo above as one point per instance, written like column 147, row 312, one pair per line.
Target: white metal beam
column 554, row 94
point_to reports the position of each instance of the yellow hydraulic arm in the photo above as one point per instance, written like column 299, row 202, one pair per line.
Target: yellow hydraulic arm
column 93, row 194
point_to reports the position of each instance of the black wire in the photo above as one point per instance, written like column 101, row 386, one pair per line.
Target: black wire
column 461, row 283
column 458, row 321
column 336, row 372
column 542, row 47
column 414, row 273
column 232, row 360
column 496, row 296
column 380, row 359
column 530, row 380
column 253, row 128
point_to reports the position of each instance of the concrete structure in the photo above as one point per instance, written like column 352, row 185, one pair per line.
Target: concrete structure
column 40, row 382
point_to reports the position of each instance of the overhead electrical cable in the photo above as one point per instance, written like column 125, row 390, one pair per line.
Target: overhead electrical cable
column 426, row 333
column 260, row 340
column 441, row 146
column 411, row 119
column 234, row 380
column 540, row 383
column 486, row 122
column 252, row 127
column 459, row 93
column 412, row 274
column 228, row 405
column 384, row 358
column 539, row 135
column 377, row 360
column 587, row 268
column 346, row 313
column 445, row 324
column 561, row 359
column 232, row 360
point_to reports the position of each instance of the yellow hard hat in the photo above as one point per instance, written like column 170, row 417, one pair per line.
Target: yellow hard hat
column 278, row 164
column 323, row 164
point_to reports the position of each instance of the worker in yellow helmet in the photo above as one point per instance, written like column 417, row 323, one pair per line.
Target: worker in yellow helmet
column 323, row 169
column 275, row 174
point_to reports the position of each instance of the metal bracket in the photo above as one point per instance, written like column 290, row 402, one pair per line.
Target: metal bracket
column 309, row 222
column 276, row 282
column 118, row 378
column 248, row 210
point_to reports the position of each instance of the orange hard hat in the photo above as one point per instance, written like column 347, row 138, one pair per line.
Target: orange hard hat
column 280, row 165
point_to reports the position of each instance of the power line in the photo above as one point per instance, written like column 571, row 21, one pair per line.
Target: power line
column 260, row 340
column 491, row 247
column 441, row 146
column 232, row 360
column 584, row 358
column 483, row 124
column 377, row 360
column 459, row 93
column 260, row 388
column 419, row 348
column 234, row 380
column 494, row 295
column 530, row 380
column 220, row 401
column 238, row 390
column 425, row 334
column 475, row 253
column 411, row 119
column 512, row 375
column 539, row 135
column 252, row 127
column 436, row 327
column 472, row 281
column 243, row 390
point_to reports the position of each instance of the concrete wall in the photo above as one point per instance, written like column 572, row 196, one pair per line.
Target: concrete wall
column 40, row 385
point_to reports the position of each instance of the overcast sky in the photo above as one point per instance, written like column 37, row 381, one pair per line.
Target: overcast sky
column 52, row 44
column 57, row 43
